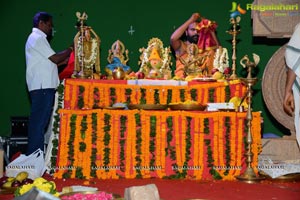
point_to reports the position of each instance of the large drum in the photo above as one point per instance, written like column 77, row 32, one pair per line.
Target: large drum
column 273, row 87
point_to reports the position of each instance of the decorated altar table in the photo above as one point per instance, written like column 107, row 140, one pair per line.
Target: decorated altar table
column 89, row 94
column 91, row 140
column 111, row 144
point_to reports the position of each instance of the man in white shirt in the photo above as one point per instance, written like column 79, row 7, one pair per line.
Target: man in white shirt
column 41, row 77
column 291, row 102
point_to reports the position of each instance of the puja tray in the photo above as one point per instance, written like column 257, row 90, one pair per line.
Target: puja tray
column 205, row 79
column 182, row 106
column 115, row 108
column 226, row 109
column 148, row 106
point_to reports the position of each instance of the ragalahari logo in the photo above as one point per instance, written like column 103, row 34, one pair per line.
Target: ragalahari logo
column 236, row 10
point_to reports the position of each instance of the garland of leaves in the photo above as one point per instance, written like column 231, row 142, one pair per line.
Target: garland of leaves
column 70, row 144
column 138, row 145
column 55, row 129
column 227, row 144
column 94, row 147
column 227, row 93
column 206, row 126
column 170, row 149
column 79, row 173
column 152, row 140
column 156, row 96
column 122, row 141
column 169, row 96
column 96, row 98
column 188, row 138
column 83, row 125
column 128, row 93
column 182, row 95
column 106, row 140
column 188, row 146
column 143, row 95
column 112, row 94
column 80, row 97
column 210, row 161
column 194, row 94
column 211, row 93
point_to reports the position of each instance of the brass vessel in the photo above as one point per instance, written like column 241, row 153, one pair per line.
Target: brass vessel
column 118, row 73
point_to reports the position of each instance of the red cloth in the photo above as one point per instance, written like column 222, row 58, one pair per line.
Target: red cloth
column 68, row 71
column 16, row 155
column 178, row 189
column 206, row 39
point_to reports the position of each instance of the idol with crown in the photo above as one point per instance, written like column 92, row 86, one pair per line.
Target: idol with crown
column 87, row 54
column 117, row 58
column 155, row 60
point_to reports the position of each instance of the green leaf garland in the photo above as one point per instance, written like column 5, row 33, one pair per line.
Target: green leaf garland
column 80, row 97
column 56, row 126
column 107, row 137
column 138, row 146
column 94, row 143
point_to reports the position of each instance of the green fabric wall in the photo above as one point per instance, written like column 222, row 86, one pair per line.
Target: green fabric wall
column 111, row 20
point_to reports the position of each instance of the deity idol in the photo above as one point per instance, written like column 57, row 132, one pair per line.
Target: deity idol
column 155, row 60
column 87, row 56
column 117, row 58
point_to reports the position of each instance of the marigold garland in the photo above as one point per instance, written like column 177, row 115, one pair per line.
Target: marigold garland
column 75, row 143
column 163, row 140
column 159, row 137
column 201, row 149
column 152, row 140
column 100, row 146
column 81, row 93
column 178, row 135
column 123, row 120
column 94, row 145
column 178, row 144
column 137, row 154
column 56, row 127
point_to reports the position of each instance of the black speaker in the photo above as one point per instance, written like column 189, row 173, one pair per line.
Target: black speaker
column 19, row 126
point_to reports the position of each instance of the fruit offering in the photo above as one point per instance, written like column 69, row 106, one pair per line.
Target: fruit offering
column 41, row 184
column 14, row 182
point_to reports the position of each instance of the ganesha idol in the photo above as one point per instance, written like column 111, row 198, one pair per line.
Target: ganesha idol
column 155, row 61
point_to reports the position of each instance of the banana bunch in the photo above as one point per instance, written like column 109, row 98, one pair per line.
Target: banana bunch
column 189, row 78
column 185, row 102
column 190, row 102
column 218, row 75
column 237, row 102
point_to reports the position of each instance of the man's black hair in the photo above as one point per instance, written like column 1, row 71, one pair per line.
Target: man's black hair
column 41, row 16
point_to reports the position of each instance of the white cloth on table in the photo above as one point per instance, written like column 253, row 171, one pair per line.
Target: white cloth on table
column 156, row 82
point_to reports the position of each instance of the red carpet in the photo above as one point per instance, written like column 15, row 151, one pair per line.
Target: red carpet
column 190, row 189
